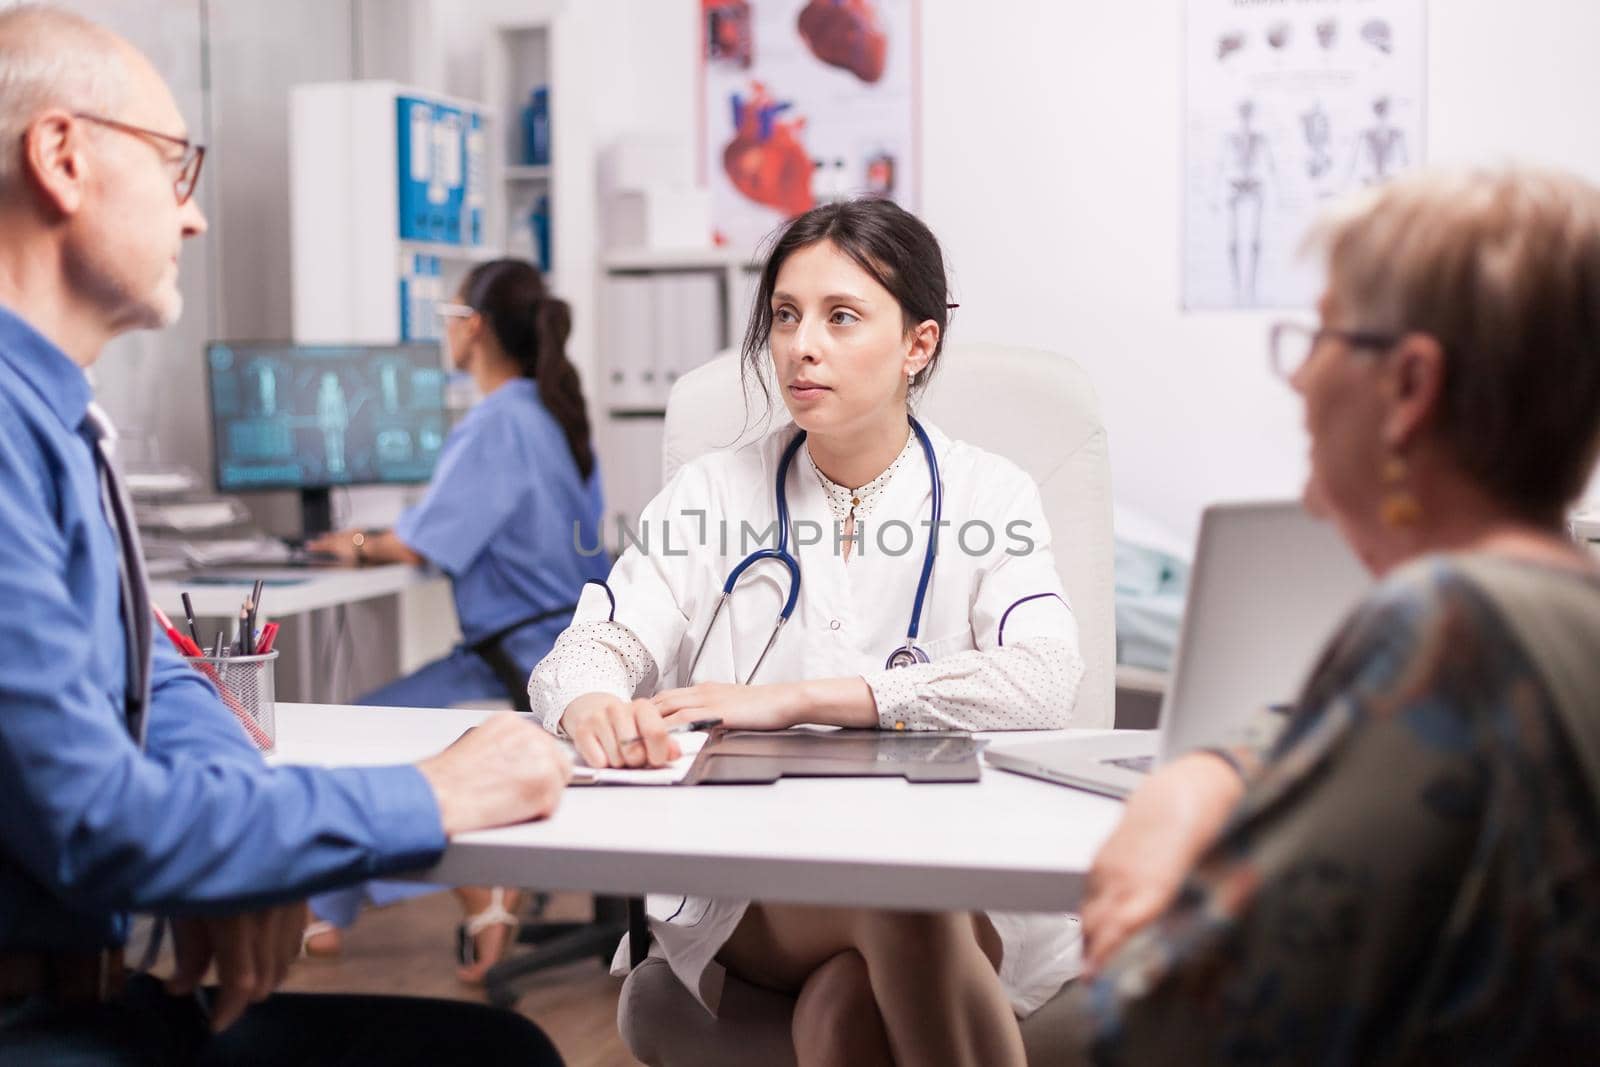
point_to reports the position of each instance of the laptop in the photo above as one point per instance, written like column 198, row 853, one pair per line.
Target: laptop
column 1269, row 586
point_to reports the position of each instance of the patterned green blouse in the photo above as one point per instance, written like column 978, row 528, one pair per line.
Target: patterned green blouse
column 1413, row 876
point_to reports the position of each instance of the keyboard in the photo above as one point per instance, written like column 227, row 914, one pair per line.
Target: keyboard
column 1138, row 764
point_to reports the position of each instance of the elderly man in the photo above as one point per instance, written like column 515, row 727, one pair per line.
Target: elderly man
column 125, row 784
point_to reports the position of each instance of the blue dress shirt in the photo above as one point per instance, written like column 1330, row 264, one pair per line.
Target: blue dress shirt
column 90, row 825
column 509, row 519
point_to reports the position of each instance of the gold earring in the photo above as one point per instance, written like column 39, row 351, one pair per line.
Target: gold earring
column 1400, row 507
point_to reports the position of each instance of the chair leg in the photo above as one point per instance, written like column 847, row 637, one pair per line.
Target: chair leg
column 558, row 944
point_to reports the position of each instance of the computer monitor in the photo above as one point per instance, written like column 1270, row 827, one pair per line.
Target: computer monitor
column 313, row 417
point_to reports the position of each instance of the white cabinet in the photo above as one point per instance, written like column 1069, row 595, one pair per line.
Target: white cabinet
column 517, row 80
column 389, row 193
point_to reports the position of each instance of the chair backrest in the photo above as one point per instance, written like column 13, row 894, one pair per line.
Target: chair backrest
column 1038, row 409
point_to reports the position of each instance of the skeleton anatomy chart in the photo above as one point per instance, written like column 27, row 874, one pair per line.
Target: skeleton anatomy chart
column 804, row 101
column 1288, row 104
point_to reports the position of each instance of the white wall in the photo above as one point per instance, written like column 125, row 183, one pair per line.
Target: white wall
column 1051, row 151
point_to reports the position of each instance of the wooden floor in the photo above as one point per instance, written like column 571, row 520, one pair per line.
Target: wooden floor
column 409, row 949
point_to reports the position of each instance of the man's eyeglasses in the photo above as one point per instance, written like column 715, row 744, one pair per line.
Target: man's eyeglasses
column 188, row 163
column 1291, row 344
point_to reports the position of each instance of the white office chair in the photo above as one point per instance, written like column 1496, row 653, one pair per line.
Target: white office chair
column 1037, row 409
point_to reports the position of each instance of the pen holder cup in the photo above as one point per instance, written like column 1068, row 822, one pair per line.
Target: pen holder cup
column 247, row 687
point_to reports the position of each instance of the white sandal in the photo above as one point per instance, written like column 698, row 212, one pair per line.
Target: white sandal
column 467, row 930
column 317, row 929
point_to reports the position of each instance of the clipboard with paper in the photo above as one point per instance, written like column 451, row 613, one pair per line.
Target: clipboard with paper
column 760, row 757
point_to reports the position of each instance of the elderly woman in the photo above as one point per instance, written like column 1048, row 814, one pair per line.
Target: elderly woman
column 1412, row 872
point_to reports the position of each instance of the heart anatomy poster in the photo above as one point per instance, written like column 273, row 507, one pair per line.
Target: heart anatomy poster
column 803, row 102
column 1288, row 105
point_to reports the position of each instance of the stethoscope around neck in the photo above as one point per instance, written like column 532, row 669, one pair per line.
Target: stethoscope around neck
column 908, row 654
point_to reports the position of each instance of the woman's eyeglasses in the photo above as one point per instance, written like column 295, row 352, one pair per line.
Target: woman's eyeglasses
column 188, row 163
column 447, row 309
column 1291, row 344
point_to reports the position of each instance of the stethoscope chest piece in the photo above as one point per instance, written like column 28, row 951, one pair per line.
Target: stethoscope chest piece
column 907, row 655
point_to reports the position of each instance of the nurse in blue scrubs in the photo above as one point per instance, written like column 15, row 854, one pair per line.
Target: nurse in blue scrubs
column 513, row 517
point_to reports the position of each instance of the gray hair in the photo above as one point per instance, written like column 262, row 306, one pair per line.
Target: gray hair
column 1501, row 266
column 52, row 58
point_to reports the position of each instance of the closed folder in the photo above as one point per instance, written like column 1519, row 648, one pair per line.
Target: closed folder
column 631, row 339
column 750, row 757
column 689, row 313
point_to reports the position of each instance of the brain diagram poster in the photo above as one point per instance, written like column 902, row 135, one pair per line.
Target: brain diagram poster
column 1289, row 103
column 803, row 102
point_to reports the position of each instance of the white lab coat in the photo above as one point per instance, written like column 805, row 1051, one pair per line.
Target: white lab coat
column 849, row 617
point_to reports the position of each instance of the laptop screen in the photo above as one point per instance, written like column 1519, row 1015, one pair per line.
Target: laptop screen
column 1270, row 586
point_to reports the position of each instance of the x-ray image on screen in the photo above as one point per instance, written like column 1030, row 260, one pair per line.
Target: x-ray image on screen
column 313, row 416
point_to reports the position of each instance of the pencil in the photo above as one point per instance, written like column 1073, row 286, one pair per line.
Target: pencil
column 686, row 728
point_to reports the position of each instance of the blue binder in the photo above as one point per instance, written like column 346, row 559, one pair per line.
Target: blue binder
column 414, row 137
column 476, row 168
column 450, row 172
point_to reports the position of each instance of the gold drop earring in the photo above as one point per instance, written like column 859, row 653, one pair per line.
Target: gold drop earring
column 1400, row 507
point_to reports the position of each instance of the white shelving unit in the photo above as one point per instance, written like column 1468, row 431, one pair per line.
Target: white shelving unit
column 453, row 253
column 736, row 275
column 664, row 311
column 517, row 59
column 347, row 253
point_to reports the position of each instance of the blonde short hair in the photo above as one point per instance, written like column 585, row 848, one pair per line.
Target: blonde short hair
column 1502, row 268
column 52, row 58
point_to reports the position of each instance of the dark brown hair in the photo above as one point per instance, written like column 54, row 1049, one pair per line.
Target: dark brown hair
column 883, row 239
column 532, row 327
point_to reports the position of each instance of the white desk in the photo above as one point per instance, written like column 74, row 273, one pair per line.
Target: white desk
column 313, row 589
column 1007, row 842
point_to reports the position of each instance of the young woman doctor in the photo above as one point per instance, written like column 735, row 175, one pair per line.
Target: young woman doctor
column 852, row 306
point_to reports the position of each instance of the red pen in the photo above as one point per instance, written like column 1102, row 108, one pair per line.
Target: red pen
column 189, row 648
column 269, row 634
column 179, row 640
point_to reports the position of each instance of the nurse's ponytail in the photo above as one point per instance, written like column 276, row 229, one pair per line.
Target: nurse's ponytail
column 532, row 327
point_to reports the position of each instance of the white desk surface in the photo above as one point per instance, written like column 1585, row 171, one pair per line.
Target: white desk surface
column 1004, row 843
column 314, row 588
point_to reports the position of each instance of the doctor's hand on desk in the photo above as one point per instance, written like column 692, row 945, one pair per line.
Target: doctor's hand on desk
column 608, row 731
column 1169, row 822
column 252, row 951
column 503, row 771
column 600, row 724
column 777, row 706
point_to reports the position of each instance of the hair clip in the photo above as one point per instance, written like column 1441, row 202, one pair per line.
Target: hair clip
column 948, row 307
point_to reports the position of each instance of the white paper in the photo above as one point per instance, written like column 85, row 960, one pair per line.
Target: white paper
column 671, row 774
column 1288, row 105
column 421, row 117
